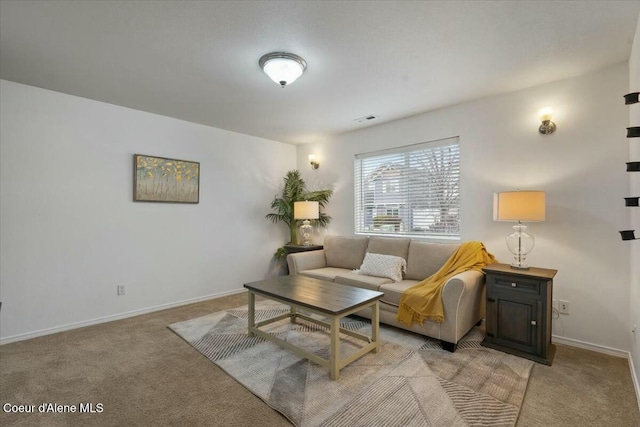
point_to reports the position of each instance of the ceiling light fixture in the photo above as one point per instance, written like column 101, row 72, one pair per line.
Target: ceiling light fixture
column 283, row 68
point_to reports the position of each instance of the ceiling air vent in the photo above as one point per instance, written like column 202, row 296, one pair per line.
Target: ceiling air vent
column 366, row 118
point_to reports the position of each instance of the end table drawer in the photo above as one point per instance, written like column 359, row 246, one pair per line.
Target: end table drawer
column 516, row 284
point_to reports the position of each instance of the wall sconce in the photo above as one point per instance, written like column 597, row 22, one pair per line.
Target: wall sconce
column 547, row 127
column 314, row 163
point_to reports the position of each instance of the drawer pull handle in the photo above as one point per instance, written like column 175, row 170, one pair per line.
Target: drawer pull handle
column 533, row 322
column 513, row 285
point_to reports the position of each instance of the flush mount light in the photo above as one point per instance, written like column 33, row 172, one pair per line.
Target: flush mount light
column 283, row 68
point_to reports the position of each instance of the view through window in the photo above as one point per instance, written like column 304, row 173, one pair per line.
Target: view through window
column 410, row 190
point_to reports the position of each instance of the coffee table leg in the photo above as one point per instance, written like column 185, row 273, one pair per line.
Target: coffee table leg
column 252, row 313
column 293, row 314
column 375, row 325
column 334, row 350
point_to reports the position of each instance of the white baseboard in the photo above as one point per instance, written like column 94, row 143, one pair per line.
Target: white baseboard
column 606, row 350
column 48, row 331
column 589, row 346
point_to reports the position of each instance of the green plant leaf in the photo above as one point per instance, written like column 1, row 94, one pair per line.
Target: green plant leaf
column 280, row 253
column 294, row 190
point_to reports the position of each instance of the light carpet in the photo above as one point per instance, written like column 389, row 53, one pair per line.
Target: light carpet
column 410, row 382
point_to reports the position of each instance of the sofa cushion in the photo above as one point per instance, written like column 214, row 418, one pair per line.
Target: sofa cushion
column 396, row 246
column 361, row 281
column 326, row 273
column 380, row 265
column 426, row 258
column 393, row 291
column 345, row 252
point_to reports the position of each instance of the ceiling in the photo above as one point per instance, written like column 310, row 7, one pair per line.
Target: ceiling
column 198, row 60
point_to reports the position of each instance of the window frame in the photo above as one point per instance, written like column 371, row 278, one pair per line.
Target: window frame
column 432, row 165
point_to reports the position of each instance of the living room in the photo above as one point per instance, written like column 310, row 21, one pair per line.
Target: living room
column 78, row 235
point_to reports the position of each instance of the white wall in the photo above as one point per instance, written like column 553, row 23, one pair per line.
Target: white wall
column 580, row 167
column 634, row 155
column 70, row 231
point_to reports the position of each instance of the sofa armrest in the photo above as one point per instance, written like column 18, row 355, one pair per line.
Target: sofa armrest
column 301, row 261
column 464, row 304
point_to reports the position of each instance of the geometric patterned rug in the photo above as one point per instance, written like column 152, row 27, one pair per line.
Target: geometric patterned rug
column 410, row 382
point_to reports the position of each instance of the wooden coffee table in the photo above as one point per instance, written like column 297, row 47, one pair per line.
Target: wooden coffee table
column 327, row 299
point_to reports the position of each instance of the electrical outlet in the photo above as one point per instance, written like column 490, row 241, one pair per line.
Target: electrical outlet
column 122, row 289
column 563, row 307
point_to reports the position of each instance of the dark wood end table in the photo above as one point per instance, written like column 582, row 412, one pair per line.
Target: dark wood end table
column 292, row 249
column 519, row 311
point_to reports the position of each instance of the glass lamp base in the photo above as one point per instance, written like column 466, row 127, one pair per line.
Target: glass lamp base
column 306, row 229
column 520, row 243
column 519, row 266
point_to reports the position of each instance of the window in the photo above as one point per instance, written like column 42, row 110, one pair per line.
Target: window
column 391, row 186
column 411, row 190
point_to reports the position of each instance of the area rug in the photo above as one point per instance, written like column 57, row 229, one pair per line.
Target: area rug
column 410, row 382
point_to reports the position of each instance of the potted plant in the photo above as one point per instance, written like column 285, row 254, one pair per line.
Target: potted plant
column 294, row 190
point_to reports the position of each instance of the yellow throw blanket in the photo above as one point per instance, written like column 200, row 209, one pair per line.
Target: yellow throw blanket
column 424, row 300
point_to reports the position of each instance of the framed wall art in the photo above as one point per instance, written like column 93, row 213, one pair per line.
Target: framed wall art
column 159, row 179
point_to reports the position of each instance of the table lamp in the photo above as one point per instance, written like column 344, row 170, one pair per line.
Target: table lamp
column 306, row 211
column 528, row 206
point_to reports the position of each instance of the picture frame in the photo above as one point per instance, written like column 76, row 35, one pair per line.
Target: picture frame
column 165, row 180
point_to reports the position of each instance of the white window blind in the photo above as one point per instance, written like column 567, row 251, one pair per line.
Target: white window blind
column 411, row 190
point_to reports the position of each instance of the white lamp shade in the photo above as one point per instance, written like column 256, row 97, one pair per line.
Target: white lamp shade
column 306, row 210
column 283, row 70
column 545, row 114
column 519, row 206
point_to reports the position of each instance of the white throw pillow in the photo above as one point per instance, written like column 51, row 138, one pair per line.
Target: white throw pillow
column 383, row 266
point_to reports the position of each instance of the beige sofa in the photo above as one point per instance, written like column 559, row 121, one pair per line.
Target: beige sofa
column 463, row 294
